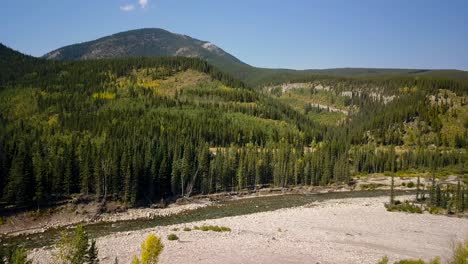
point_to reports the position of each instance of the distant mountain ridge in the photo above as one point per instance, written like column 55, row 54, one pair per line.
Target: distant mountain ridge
column 147, row 42
column 153, row 42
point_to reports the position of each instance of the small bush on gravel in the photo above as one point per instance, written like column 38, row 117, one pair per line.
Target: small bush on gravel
column 150, row 250
column 196, row 228
column 383, row 260
column 18, row 256
column 419, row 261
column 410, row 185
column 172, row 237
column 460, row 253
column 435, row 210
column 187, row 229
column 215, row 228
column 225, row 229
column 175, row 229
column 404, row 207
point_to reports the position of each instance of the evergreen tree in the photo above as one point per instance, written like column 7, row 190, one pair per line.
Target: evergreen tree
column 92, row 254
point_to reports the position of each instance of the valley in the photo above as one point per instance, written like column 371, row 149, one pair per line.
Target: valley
column 148, row 131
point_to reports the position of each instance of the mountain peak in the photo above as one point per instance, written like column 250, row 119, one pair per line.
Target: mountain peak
column 148, row 42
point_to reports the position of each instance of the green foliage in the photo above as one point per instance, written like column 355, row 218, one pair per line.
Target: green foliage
column 74, row 248
column 404, row 207
column 117, row 129
column 135, row 260
column 447, row 198
column 419, row 261
column 460, row 253
column 435, row 210
column 410, row 262
column 172, row 237
column 215, row 228
column 151, row 249
column 92, row 254
column 384, row 260
column 371, row 186
column 19, row 256
column 187, row 229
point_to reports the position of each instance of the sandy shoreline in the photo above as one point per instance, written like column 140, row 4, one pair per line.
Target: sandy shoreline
column 357, row 230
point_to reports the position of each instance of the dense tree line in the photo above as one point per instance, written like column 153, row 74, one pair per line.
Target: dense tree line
column 58, row 139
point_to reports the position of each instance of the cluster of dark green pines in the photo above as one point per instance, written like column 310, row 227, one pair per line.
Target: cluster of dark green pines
column 142, row 147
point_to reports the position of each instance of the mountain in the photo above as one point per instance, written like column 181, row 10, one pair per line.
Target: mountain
column 14, row 64
column 148, row 42
column 155, row 42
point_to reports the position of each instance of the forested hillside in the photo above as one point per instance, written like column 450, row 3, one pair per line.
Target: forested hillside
column 142, row 129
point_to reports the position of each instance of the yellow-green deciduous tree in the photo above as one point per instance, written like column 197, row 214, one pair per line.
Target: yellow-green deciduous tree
column 150, row 251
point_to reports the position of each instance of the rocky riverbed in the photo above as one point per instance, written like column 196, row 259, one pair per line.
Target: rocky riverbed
column 351, row 230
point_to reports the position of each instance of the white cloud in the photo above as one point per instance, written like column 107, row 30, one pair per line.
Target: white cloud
column 127, row 8
column 143, row 3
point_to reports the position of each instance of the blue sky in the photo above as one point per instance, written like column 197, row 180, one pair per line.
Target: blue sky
column 295, row 34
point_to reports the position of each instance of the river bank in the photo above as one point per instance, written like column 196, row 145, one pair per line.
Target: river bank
column 73, row 213
column 349, row 230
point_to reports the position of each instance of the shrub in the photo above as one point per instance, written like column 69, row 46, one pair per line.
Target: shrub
column 175, row 229
column 225, row 229
column 371, row 186
column 215, row 228
column 20, row 256
column 92, row 256
column 407, row 261
column 151, row 249
column 383, row 260
column 436, row 260
column 187, row 229
column 196, row 227
column 435, row 210
column 404, row 207
column 172, row 237
column 410, row 185
column 73, row 248
column 460, row 253
column 135, row 260
column 2, row 221
column 419, row 261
